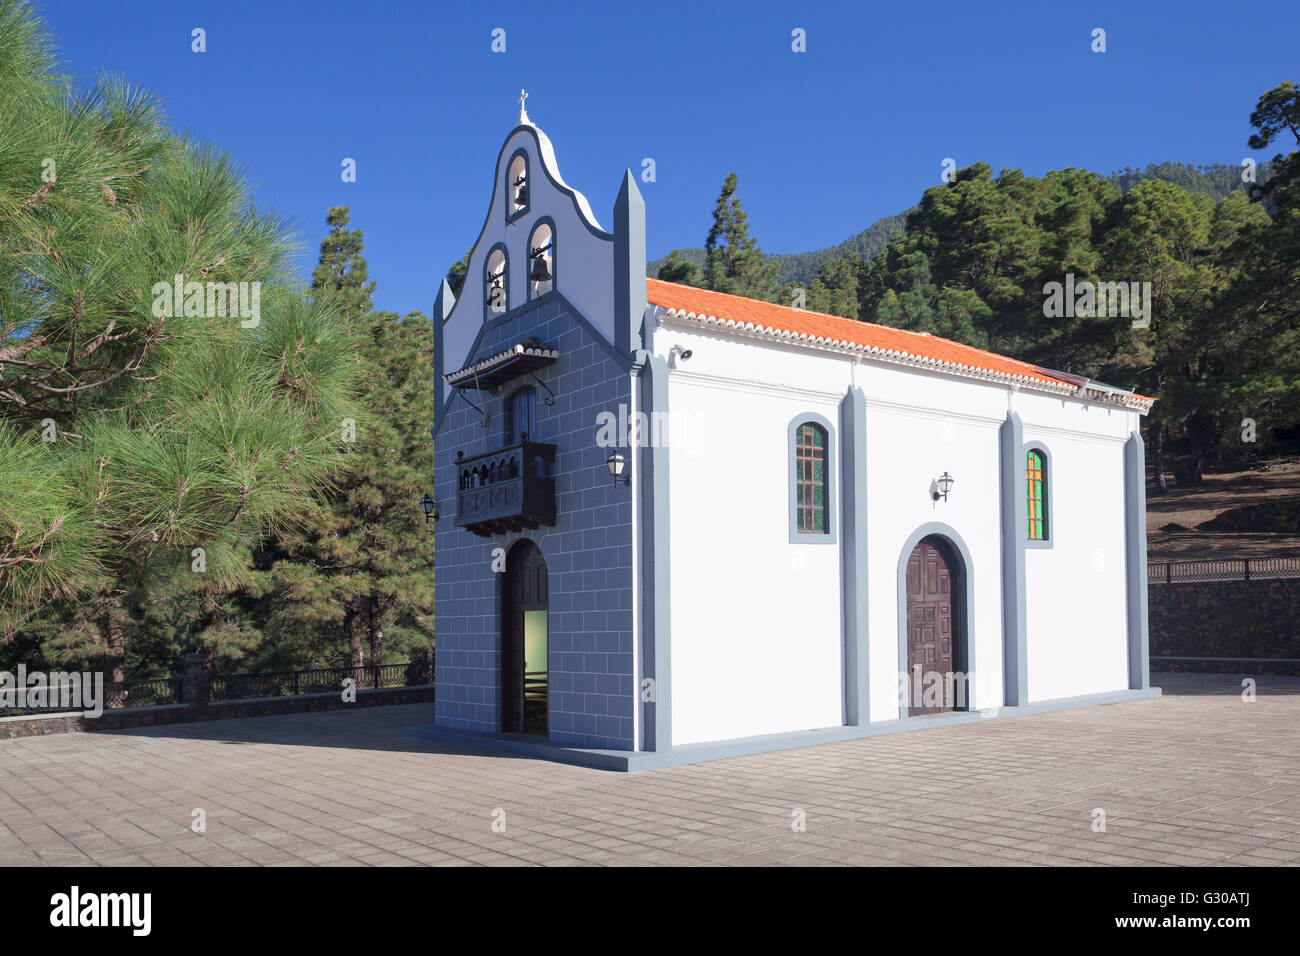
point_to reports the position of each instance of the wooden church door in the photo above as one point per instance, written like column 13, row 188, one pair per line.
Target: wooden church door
column 929, row 627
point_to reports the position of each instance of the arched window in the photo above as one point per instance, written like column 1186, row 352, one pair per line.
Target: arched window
column 521, row 413
column 810, row 479
column 517, row 186
column 496, row 292
column 1036, row 494
column 811, row 454
column 541, row 259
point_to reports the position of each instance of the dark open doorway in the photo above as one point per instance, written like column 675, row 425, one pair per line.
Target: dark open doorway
column 525, row 642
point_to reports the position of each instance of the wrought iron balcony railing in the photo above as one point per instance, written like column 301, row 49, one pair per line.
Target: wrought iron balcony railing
column 506, row 490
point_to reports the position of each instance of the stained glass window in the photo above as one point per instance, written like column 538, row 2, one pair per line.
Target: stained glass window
column 810, row 484
column 1036, row 492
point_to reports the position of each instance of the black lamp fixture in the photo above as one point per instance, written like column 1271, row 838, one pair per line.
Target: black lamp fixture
column 616, row 463
column 942, row 485
column 430, row 510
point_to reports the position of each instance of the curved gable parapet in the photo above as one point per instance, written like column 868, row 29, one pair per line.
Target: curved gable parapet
column 552, row 169
column 584, row 251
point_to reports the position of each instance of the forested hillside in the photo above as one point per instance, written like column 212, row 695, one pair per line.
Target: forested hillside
column 1215, row 180
column 1211, row 255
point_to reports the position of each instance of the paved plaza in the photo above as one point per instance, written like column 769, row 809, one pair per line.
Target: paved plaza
column 1195, row 777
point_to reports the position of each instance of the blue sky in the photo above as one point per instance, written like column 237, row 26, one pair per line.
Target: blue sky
column 824, row 142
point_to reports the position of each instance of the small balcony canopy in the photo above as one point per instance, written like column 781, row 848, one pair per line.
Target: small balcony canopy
column 520, row 359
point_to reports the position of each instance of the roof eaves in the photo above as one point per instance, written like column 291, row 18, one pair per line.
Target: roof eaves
column 1043, row 381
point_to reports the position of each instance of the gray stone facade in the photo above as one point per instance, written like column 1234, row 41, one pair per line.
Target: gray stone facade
column 588, row 552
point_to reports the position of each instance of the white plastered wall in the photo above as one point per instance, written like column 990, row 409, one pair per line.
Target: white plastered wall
column 919, row 426
column 757, row 626
column 756, row 620
column 1075, row 589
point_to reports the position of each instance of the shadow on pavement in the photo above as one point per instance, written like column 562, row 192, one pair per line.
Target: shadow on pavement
column 379, row 728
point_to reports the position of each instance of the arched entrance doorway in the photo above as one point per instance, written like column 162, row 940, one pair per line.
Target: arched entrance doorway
column 524, row 642
column 935, row 632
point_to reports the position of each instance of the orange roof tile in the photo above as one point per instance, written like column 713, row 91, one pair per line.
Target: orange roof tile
column 834, row 330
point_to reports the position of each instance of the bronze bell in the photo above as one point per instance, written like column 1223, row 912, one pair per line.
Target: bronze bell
column 521, row 197
column 540, row 273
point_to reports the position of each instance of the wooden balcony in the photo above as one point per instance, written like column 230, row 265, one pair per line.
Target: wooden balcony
column 506, row 490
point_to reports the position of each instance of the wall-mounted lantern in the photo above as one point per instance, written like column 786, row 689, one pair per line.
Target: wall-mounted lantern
column 616, row 463
column 942, row 485
column 430, row 510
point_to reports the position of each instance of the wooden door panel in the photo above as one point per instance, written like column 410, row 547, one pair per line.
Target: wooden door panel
column 929, row 624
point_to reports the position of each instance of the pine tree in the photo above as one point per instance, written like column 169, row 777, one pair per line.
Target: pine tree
column 139, row 442
column 342, row 270
column 1277, row 116
column 733, row 262
column 679, row 270
column 834, row 290
column 365, row 565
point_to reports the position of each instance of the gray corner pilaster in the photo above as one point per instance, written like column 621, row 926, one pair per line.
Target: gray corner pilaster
column 1135, row 565
column 443, row 303
column 853, row 541
column 657, row 714
column 629, row 266
column 1015, row 666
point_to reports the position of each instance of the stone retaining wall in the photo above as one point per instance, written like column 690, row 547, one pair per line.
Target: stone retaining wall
column 126, row 717
column 1226, row 619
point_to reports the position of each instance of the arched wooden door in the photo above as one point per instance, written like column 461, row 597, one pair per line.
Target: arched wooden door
column 933, row 622
column 524, row 642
